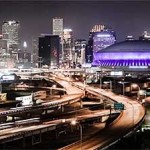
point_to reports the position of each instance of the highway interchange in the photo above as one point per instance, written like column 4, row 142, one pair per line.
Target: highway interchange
column 126, row 123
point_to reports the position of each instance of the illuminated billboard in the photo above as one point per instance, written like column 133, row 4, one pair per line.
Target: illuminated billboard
column 116, row 73
column 102, row 40
column 26, row 100
column 8, row 77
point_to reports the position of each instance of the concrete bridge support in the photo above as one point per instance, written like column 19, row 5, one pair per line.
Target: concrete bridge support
column 62, row 108
column 37, row 138
column 81, row 104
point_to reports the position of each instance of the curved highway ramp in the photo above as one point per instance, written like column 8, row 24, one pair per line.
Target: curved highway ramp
column 126, row 123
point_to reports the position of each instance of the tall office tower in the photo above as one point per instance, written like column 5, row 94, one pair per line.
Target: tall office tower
column 103, row 39
column 97, row 28
column 100, row 37
column 24, row 58
column 49, row 50
column 129, row 38
column 80, row 45
column 58, row 26
column 89, row 49
column 10, row 32
column 6, row 60
column 145, row 36
column 34, row 53
column 67, row 52
column 1, row 44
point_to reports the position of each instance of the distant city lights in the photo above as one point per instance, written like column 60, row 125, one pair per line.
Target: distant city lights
column 25, row 44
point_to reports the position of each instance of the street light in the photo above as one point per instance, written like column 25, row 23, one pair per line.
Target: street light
column 142, row 92
column 25, row 44
column 84, row 79
column 139, row 92
column 100, row 82
column 51, row 89
column 74, row 122
column 40, row 64
column 123, row 83
column 100, row 79
column 109, row 82
column 134, row 85
column 0, row 86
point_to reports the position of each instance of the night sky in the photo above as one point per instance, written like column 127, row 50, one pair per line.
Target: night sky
column 125, row 17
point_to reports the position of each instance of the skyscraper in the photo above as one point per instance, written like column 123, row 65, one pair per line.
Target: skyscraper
column 34, row 54
column 145, row 36
column 49, row 50
column 100, row 37
column 80, row 45
column 58, row 26
column 103, row 39
column 98, row 28
column 67, row 53
column 10, row 32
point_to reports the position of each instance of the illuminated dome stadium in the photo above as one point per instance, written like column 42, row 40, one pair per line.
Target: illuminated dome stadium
column 125, row 54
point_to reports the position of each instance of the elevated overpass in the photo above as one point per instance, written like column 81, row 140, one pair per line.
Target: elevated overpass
column 63, row 101
column 73, row 95
column 19, row 130
column 125, row 124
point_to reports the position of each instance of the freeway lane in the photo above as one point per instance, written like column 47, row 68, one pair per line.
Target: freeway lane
column 69, row 88
column 87, row 116
column 132, row 115
column 25, row 129
column 73, row 93
column 125, row 123
column 21, row 131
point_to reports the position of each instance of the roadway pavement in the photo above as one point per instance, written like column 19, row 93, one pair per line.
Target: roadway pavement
column 125, row 123
column 22, row 128
column 132, row 115
column 68, row 86
column 129, row 118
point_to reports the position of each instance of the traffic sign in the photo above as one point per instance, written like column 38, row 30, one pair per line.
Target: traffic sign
column 118, row 106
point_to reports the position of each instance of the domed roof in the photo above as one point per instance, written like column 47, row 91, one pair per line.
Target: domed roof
column 128, row 46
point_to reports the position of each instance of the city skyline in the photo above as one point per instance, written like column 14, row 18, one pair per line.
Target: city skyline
column 126, row 18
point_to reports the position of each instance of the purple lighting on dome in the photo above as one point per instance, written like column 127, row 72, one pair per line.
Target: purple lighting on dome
column 122, row 59
column 122, row 55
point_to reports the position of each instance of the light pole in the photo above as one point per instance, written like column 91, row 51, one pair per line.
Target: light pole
column 139, row 92
column 0, row 86
column 100, row 79
column 25, row 45
column 134, row 85
column 110, row 84
column 62, row 44
column 142, row 92
column 74, row 122
column 84, row 78
column 100, row 82
column 40, row 63
column 100, row 76
column 51, row 89
column 70, row 53
column 123, row 83
column 84, row 82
